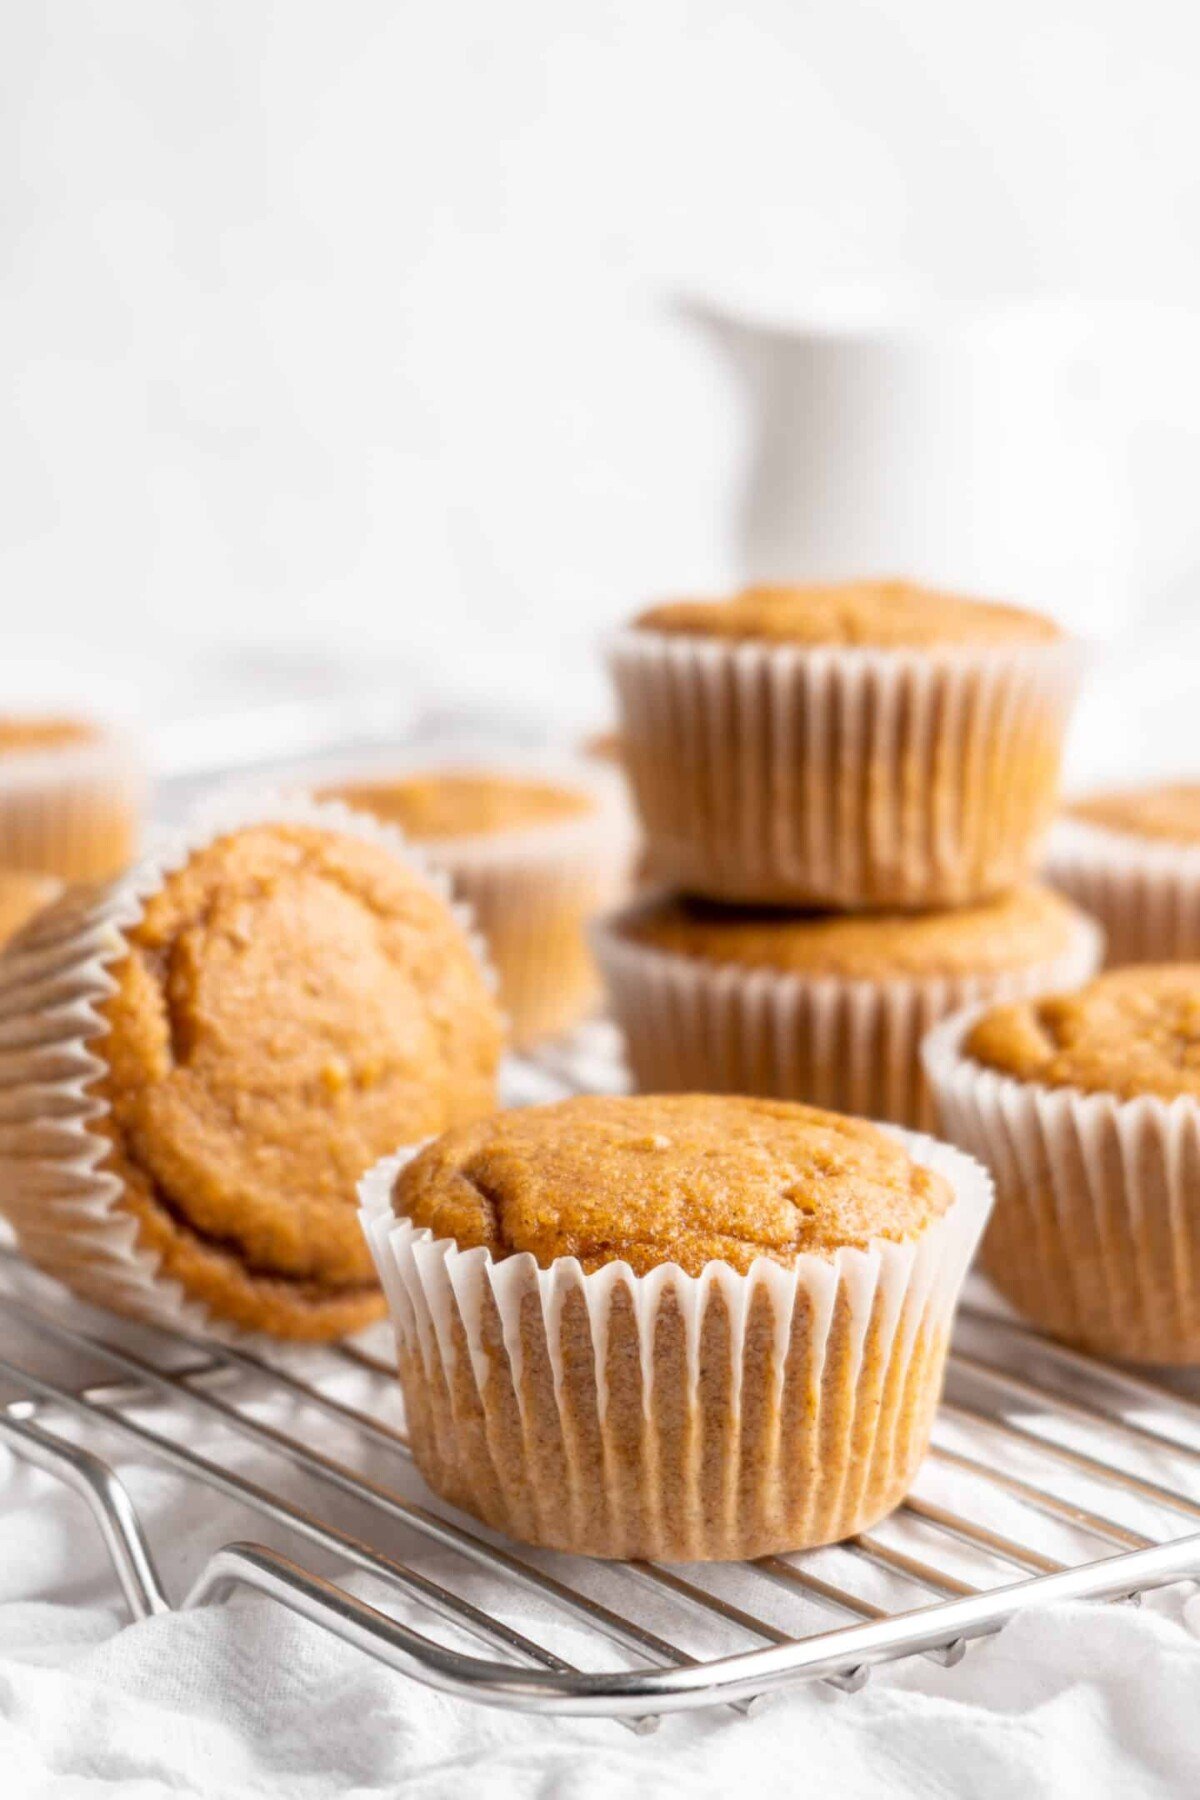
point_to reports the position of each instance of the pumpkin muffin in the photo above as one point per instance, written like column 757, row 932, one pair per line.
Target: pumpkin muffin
column 21, row 897
column 70, row 797
column 1087, row 1107
column 533, row 856
column 1131, row 856
column 872, row 744
column 250, row 1025
column 828, row 1008
column 681, row 1326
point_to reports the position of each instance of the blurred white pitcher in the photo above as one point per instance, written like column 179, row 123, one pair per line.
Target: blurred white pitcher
column 986, row 455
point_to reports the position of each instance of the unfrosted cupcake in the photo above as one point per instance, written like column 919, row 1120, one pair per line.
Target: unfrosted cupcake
column 71, row 794
column 200, row 1060
column 822, row 1007
column 866, row 745
column 534, row 856
column 1086, row 1106
column 682, row 1327
column 1131, row 856
column 22, row 896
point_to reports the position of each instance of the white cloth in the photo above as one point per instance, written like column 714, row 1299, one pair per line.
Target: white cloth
column 246, row 1700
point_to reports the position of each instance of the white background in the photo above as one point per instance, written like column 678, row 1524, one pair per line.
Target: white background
column 358, row 336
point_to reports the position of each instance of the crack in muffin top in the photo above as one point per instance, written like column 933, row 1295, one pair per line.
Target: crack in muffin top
column 1132, row 1031
column 682, row 1178
column 463, row 803
column 875, row 614
column 1030, row 925
column 1170, row 812
column 292, row 1001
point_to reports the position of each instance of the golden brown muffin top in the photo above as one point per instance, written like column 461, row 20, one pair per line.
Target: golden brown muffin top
column 452, row 803
column 1027, row 926
column 1132, row 1031
column 879, row 614
column 684, row 1178
column 20, row 734
column 295, row 1001
column 21, row 896
column 1171, row 812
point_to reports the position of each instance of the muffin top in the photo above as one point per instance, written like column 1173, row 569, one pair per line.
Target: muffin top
column 1171, row 812
column 21, row 734
column 1030, row 925
column 21, row 896
column 879, row 614
column 294, row 1001
column 1132, row 1031
column 451, row 803
column 683, row 1178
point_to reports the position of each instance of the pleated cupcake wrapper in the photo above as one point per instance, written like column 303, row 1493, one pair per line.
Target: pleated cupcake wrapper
column 63, row 1206
column 1095, row 1236
column 74, row 811
column 531, row 890
column 780, row 774
column 692, row 1026
column 1144, row 892
column 667, row 1415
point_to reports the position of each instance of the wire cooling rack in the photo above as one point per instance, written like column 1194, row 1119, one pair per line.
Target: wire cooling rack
column 1052, row 1476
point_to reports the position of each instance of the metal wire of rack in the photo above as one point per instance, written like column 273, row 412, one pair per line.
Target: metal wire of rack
column 1052, row 1476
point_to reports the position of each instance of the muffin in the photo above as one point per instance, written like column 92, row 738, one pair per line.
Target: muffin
column 687, row 1327
column 828, row 1008
column 868, row 745
column 1131, row 856
column 21, row 896
column 71, row 795
column 534, row 856
column 201, row 1059
column 1087, row 1108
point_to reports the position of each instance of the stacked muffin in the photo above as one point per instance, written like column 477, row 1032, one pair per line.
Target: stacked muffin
column 846, row 789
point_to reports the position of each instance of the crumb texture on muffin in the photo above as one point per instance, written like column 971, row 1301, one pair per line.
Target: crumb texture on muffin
column 1129, row 1032
column 1171, row 812
column 881, row 614
column 464, row 803
column 687, row 1179
column 22, row 734
column 1029, row 925
column 292, row 1001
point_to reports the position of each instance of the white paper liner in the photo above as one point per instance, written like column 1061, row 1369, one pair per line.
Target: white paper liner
column 73, row 811
column 787, row 775
column 61, row 1203
column 852, row 1046
column 685, row 1417
column 1095, row 1236
column 533, row 890
column 1145, row 892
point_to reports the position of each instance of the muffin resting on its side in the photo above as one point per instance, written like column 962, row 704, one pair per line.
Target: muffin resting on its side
column 677, row 1326
column 872, row 744
column 1132, row 858
column 70, row 797
column 282, row 1002
column 1087, row 1107
column 534, row 858
column 822, row 1007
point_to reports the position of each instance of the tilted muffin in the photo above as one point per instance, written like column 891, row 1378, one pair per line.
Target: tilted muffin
column 533, row 856
column 1087, row 1107
column 1131, row 856
column 872, row 744
column 682, row 1327
column 211, row 1052
column 22, row 896
column 71, row 793
column 828, row 1008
